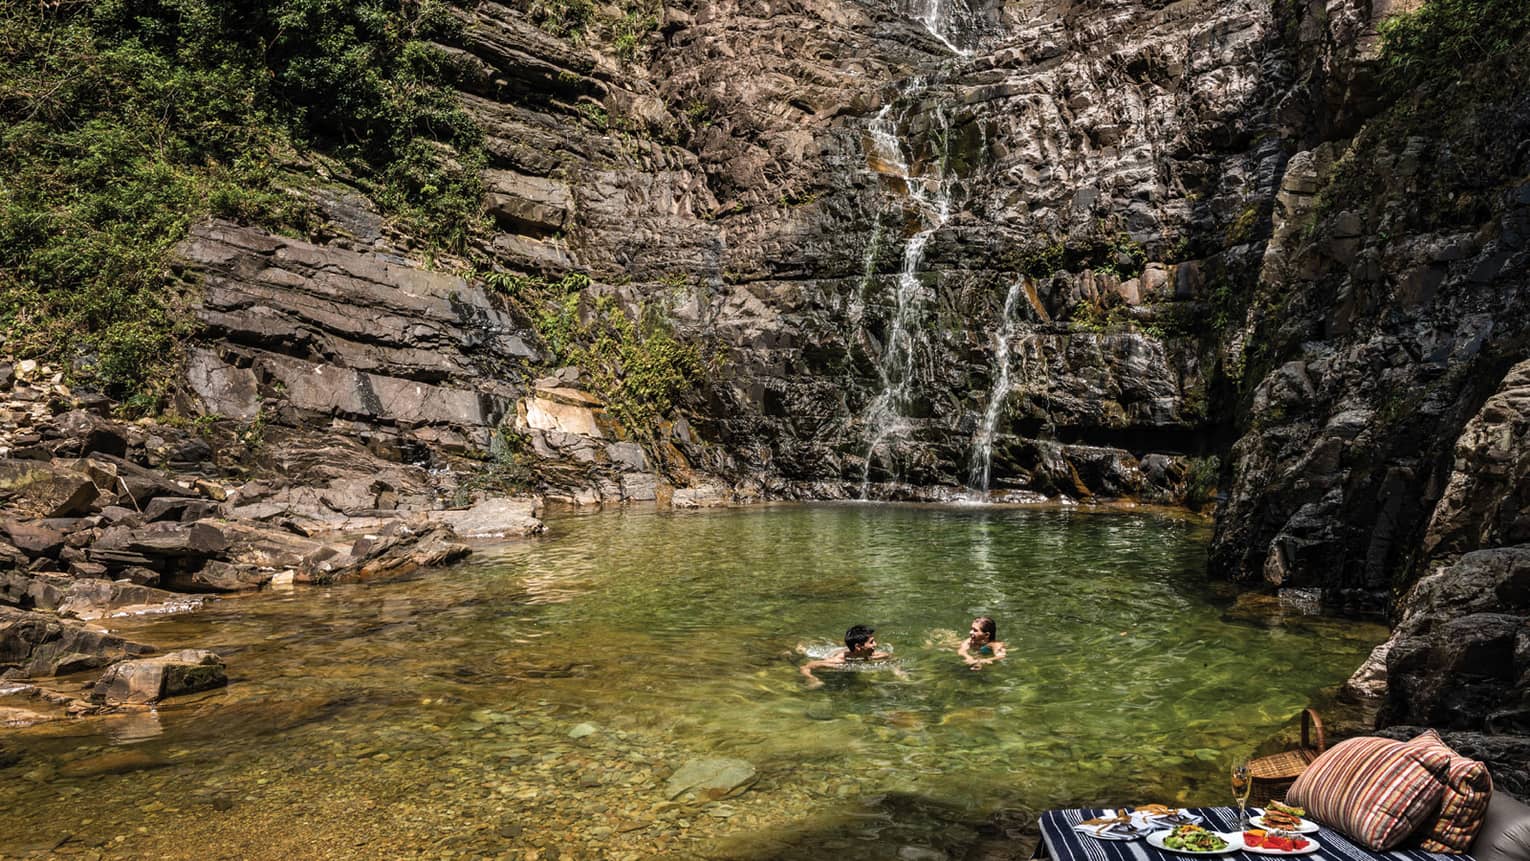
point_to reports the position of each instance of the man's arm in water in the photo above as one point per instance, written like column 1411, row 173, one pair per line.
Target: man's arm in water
column 835, row 660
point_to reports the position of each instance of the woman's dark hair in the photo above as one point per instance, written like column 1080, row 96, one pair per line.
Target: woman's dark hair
column 857, row 636
column 987, row 626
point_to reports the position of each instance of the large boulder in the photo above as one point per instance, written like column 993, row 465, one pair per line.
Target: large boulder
column 215, row 575
column 1484, row 504
column 397, row 551
column 1460, row 654
column 32, row 538
column 33, row 488
column 150, row 680
column 37, row 644
column 493, row 518
column 80, row 432
column 93, row 598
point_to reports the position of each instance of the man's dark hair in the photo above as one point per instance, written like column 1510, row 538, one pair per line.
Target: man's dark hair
column 987, row 626
column 857, row 636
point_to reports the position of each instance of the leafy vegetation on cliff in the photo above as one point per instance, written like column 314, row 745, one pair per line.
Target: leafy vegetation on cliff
column 1442, row 39
column 122, row 121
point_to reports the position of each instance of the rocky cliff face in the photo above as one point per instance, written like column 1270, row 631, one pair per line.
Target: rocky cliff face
column 1037, row 247
column 927, row 268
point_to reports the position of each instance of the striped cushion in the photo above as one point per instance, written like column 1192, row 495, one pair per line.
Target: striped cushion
column 1468, row 789
column 1375, row 790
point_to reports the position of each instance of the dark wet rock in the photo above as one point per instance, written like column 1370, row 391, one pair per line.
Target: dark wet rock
column 117, row 515
column 11, row 556
column 133, row 485
column 1458, row 655
column 711, row 778
column 216, row 576
column 41, row 489
column 32, row 538
column 36, row 644
column 81, row 432
column 88, row 570
column 140, row 576
column 32, row 590
column 150, row 680
column 397, row 551
column 1487, row 500
column 154, row 540
column 182, row 508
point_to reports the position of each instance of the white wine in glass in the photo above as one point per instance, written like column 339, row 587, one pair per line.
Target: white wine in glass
column 1242, row 785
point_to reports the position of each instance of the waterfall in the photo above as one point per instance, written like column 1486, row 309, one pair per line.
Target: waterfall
column 938, row 18
column 982, row 451
column 929, row 194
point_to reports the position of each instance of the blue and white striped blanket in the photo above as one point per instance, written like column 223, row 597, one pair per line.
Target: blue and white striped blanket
column 1065, row 844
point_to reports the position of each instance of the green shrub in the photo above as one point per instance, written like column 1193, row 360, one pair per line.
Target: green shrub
column 124, row 121
column 637, row 365
column 566, row 18
column 1442, row 39
column 1201, row 481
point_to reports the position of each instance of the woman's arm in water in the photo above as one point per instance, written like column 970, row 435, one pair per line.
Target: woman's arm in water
column 965, row 653
column 998, row 653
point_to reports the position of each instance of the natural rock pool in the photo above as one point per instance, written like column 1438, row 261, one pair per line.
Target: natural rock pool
column 538, row 701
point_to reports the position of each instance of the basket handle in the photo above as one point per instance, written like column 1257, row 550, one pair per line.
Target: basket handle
column 1311, row 722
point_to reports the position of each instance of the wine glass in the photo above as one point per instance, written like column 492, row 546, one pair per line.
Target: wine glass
column 1242, row 785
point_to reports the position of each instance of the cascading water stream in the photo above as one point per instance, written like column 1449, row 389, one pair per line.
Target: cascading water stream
column 930, row 195
column 937, row 17
column 982, row 452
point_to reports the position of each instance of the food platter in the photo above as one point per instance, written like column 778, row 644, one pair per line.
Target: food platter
column 1304, row 826
column 1233, row 839
column 1311, row 847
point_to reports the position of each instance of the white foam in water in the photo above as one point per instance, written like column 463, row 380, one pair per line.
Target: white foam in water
column 183, row 606
column 819, row 651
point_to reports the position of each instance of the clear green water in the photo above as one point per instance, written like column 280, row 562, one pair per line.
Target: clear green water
column 432, row 718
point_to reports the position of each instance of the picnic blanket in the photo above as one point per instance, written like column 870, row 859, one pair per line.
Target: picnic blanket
column 1063, row 843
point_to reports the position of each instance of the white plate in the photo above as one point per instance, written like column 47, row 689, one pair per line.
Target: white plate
column 1234, row 843
column 1311, row 847
column 1305, row 826
column 1108, row 835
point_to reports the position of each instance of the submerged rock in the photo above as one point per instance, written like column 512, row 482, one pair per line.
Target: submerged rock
column 711, row 778
column 19, row 717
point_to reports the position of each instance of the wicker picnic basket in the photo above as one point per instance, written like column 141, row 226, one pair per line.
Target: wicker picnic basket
column 1272, row 775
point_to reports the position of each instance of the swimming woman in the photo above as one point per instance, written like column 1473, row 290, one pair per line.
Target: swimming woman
column 980, row 647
